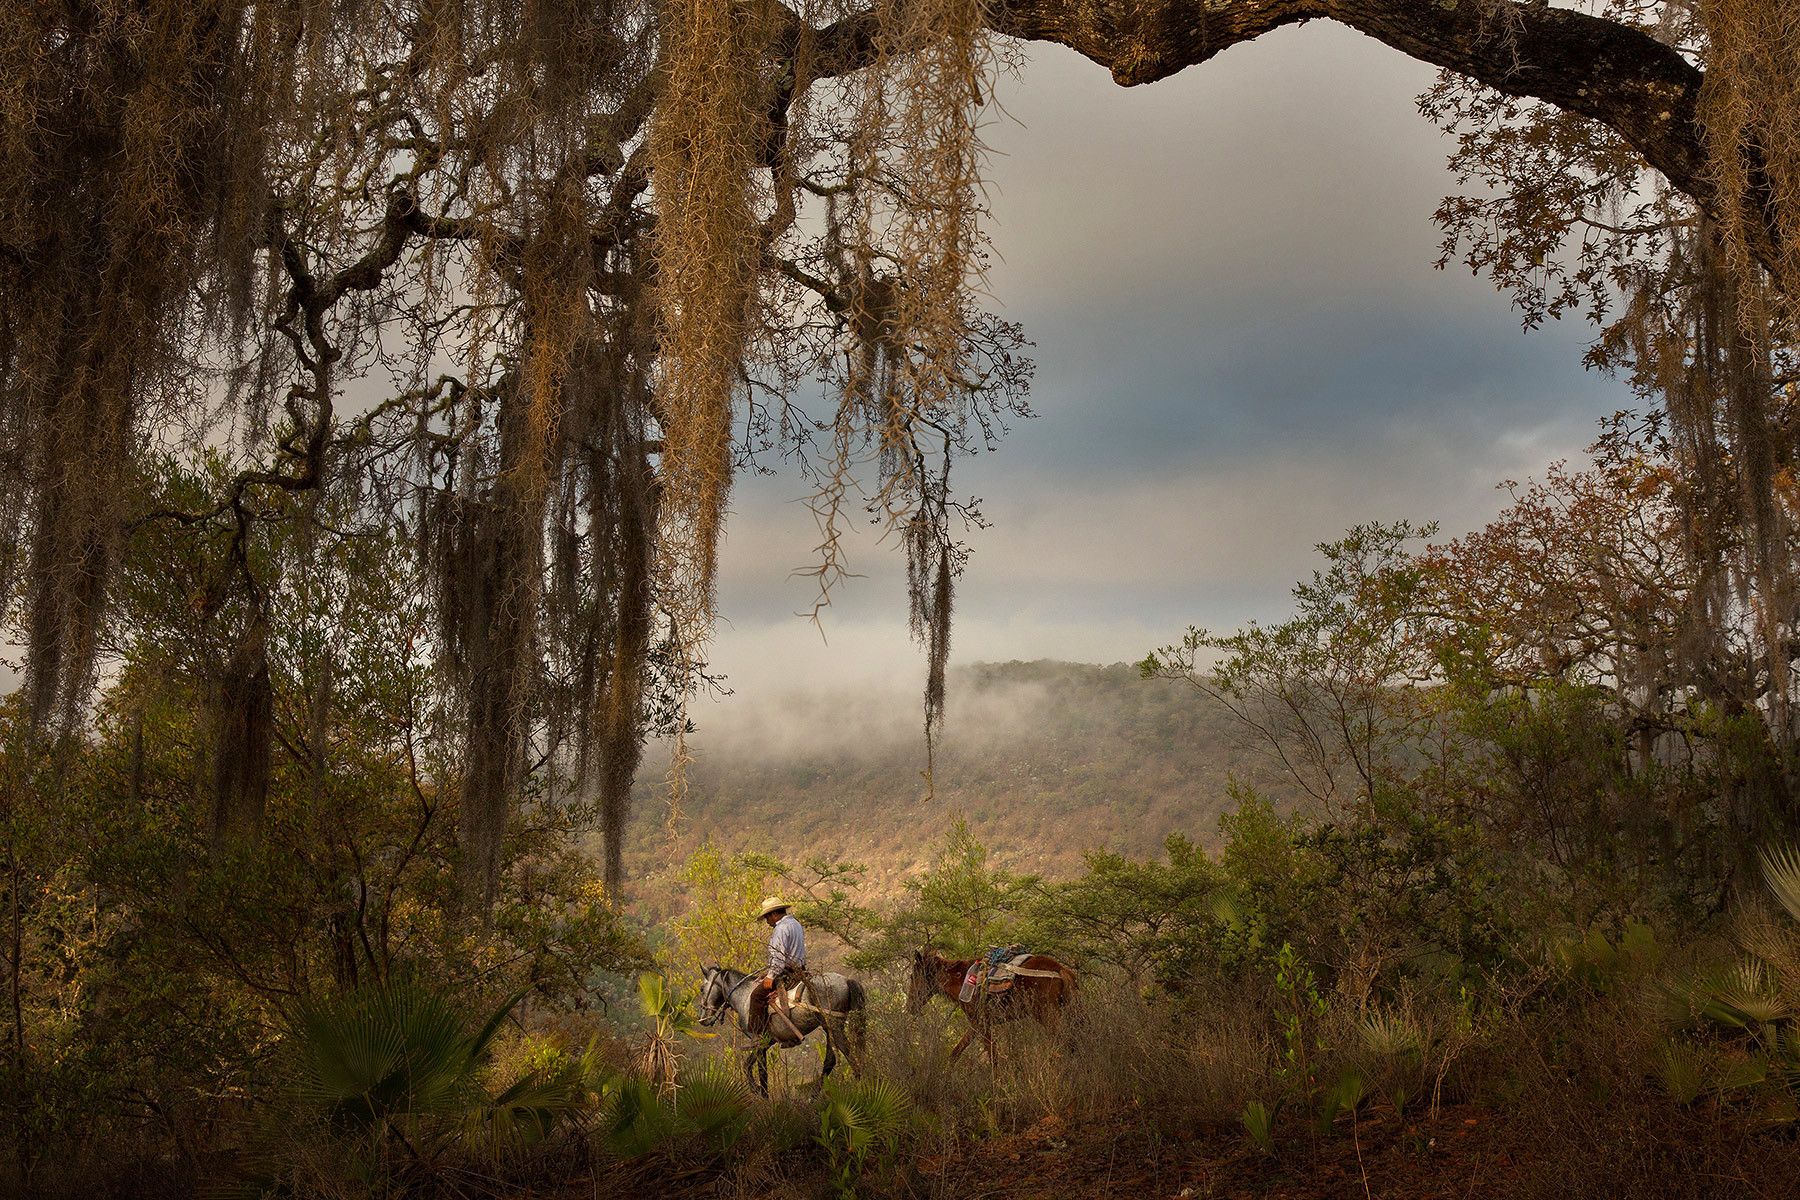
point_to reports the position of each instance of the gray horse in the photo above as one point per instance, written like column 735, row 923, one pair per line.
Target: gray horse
column 835, row 1003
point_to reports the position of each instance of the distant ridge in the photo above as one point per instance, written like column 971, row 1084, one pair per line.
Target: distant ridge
column 1045, row 759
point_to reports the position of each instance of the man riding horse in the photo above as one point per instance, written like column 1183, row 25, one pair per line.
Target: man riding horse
column 787, row 964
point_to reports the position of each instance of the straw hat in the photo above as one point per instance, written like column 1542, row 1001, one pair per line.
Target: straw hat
column 772, row 904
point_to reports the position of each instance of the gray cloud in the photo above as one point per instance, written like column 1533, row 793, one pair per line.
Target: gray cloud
column 1242, row 349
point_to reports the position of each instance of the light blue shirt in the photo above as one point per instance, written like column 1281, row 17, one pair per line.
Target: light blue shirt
column 787, row 945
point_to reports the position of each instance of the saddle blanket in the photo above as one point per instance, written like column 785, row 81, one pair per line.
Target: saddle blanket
column 997, row 972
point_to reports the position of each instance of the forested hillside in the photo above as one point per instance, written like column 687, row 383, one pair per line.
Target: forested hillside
column 1046, row 760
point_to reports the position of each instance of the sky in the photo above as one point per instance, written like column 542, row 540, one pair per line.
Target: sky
column 1242, row 348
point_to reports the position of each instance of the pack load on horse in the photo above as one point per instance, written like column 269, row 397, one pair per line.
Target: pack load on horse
column 996, row 971
column 1003, row 985
column 786, row 1003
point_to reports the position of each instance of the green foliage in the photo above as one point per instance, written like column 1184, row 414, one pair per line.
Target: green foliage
column 961, row 904
column 377, row 1053
column 1259, row 1123
column 1781, row 871
column 1400, row 890
column 1299, row 1009
column 671, row 1015
column 554, row 1086
column 1152, row 920
column 635, row 1119
column 1746, row 1012
column 719, row 927
column 1324, row 689
column 861, row 1125
column 1556, row 781
column 706, row 1115
column 1681, row 1068
column 1395, row 1045
column 390, row 1083
column 154, row 950
column 1602, row 963
column 1345, row 1095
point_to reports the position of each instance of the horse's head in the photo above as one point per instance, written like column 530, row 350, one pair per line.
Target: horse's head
column 713, row 998
column 923, row 981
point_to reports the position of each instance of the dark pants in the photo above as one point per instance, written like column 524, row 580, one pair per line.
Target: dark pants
column 763, row 993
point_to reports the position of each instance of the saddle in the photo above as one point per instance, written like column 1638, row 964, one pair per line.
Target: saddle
column 791, row 994
column 996, row 972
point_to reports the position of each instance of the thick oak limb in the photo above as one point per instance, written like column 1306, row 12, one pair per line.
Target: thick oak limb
column 1604, row 70
column 1613, row 73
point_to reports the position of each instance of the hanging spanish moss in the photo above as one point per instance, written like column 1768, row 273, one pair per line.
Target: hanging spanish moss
column 129, row 184
column 552, row 226
column 930, row 573
column 605, row 530
column 907, row 243
column 487, row 569
column 704, row 146
column 1750, row 109
column 244, row 715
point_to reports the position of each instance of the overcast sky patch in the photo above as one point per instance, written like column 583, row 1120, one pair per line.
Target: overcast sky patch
column 1242, row 349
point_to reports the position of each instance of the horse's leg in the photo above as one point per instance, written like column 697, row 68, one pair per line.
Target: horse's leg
column 848, row 1043
column 830, row 1055
column 964, row 1044
column 756, row 1067
column 750, row 1067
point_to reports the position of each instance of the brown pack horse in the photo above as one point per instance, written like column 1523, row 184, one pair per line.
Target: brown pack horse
column 1040, row 997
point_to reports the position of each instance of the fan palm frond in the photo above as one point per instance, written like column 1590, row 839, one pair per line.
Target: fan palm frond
column 387, row 1049
column 1682, row 1071
column 713, row 1105
column 1391, row 1035
column 1781, row 871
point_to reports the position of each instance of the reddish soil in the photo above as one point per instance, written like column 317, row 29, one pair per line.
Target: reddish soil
column 1464, row 1152
column 1461, row 1152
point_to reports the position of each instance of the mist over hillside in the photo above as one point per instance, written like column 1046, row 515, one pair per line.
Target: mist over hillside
column 1045, row 759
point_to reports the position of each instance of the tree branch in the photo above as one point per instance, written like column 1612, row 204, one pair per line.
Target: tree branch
column 1607, row 71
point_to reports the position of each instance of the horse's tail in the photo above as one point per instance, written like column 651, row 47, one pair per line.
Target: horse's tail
column 857, row 1018
column 1068, row 981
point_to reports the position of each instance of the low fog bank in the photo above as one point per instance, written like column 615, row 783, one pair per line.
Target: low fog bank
column 1045, row 760
column 987, row 704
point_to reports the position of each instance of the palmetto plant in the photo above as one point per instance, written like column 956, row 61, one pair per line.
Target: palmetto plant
column 1395, row 1044
column 550, row 1091
column 860, row 1123
column 1259, row 1125
column 708, row 1112
column 368, row 1056
column 400, row 1058
column 1747, row 1012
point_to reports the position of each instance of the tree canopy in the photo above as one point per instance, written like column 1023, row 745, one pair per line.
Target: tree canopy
column 515, row 286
